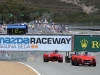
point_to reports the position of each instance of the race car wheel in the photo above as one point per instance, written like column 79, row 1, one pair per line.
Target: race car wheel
column 94, row 64
column 60, row 61
column 76, row 63
column 89, row 65
column 45, row 60
column 72, row 62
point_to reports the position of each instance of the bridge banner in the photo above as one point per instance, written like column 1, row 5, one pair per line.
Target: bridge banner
column 87, row 43
column 35, row 42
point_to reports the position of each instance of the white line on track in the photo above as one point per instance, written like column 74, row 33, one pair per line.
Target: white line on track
column 30, row 68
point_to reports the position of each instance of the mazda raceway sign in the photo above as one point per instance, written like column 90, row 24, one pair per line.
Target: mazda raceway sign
column 35, row 43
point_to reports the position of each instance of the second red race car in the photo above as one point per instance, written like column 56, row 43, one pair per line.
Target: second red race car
column 55, row 56
column 84, row 59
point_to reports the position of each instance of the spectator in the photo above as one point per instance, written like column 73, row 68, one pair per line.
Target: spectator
column 61, row 31
column 42, row 31
column 50, row 21
column 8, row 54
column 66, row 30
column 1, row 29
column 29, row 26
column 33, row 26
column 0, row 53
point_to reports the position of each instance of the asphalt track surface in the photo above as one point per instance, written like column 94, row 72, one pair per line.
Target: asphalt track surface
column 55, row 68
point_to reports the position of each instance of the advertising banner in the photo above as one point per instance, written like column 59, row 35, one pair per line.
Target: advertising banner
column 87, row 43
column 37, row 43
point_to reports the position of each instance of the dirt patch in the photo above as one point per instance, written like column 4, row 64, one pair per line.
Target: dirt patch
column 14, row 68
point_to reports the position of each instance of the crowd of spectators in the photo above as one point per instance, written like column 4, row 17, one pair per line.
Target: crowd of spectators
column 2, row 27
column 5, row 54
column 44, row 25
column 51, row 26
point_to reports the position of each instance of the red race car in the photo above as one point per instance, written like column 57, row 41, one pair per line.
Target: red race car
column 84, row 59
column 55, row 56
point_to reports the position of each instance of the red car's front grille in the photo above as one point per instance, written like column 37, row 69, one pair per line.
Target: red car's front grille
column 87, row 61
column 54, row 57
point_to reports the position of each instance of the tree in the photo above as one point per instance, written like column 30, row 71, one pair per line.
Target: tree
column 0, row 16
column 21, row 14
column 47, row 12
column 10, row 15
column 37, row 13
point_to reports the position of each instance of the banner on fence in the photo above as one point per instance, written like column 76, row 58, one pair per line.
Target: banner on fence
column 87, row 43
column 31, row 43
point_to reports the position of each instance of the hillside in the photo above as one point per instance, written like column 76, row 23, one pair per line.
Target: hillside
column 87, row 5
column 57, row 10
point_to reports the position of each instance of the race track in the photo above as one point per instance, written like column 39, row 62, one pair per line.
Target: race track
column 55, row 68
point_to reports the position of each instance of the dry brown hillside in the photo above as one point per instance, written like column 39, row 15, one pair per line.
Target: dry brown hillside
column 85, row 8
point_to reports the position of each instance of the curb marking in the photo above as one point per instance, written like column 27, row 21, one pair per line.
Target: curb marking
column 30, row 68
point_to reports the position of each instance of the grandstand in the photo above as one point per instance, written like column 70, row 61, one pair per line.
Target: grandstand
column 57, row 28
